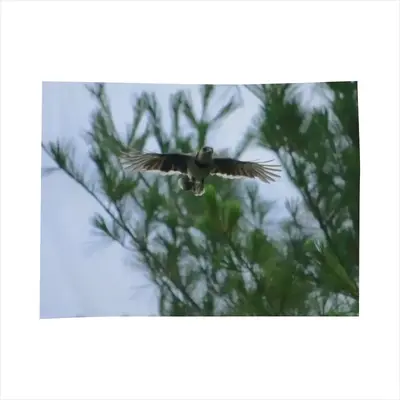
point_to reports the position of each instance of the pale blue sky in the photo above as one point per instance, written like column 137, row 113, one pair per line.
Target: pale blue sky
column 79, row 274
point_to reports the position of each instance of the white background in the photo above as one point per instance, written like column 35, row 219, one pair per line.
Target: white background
column 163, row 42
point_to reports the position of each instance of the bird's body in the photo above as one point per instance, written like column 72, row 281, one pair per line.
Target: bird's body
column 195, row 168
column 199, row 167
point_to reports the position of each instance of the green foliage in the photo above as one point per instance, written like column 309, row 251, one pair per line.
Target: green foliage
column 216, row 254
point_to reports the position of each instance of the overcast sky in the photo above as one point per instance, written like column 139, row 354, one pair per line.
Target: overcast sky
column 79, row 276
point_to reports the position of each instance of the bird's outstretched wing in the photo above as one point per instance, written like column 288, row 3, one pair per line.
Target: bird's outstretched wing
column 235, row 169
column 167, row 163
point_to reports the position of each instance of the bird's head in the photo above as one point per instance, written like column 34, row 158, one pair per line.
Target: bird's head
column 205, row 154
column 207, row 150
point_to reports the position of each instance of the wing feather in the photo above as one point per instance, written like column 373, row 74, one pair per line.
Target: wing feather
column 167, row 163
column 235, row 169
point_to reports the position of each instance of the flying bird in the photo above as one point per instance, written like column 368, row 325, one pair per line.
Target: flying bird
column 195, row 168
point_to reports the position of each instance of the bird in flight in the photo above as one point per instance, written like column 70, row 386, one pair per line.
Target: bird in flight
column 195, row 168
